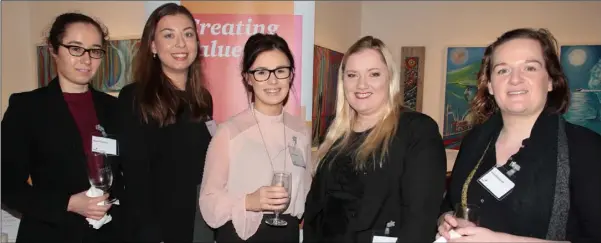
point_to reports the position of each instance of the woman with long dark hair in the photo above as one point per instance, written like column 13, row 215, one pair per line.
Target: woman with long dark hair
column 164, row 134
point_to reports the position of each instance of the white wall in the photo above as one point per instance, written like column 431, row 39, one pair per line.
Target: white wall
column 24, row 26
column 437, row 25
column 337, row 24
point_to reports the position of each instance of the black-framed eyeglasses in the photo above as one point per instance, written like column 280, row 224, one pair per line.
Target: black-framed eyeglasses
column 78, row 51
column 261, row 75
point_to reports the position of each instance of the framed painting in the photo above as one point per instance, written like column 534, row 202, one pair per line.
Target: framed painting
column 582, row 66
column 326, row 63
column 412, row 76
column 115, row 70
column 462, row 66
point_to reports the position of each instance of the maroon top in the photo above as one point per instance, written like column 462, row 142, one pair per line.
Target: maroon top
column 81, row 106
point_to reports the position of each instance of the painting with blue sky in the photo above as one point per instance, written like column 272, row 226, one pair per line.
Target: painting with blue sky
column 582, row 66
column 463, row 64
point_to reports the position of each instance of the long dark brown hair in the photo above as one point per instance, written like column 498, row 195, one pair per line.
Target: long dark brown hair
column 483, row 105
column 156, row 94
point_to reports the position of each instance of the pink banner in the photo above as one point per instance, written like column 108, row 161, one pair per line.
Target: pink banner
column 222, row 39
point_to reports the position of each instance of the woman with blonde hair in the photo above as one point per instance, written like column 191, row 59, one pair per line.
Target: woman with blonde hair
column 381, row 169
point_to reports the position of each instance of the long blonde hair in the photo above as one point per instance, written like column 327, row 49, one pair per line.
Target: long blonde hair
column 378, row 139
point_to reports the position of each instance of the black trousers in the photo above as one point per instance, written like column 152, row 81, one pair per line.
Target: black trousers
column 265, row 233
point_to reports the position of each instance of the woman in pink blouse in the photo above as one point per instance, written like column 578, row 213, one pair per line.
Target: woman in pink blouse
column 236, row 195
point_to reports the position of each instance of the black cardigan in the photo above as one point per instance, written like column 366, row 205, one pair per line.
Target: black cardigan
column 584, row 220
column 408, row 189
column 163, row 167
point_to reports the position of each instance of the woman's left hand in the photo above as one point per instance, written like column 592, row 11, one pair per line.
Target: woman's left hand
column 479, row 234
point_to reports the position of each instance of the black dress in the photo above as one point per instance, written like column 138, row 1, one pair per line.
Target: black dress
column 163, row 167
column 344, row 189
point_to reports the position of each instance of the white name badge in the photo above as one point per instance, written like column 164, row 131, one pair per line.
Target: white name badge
column 297, row 156
column 496, row 183
column 383, row 239
column 104, row 145
column 212, row 127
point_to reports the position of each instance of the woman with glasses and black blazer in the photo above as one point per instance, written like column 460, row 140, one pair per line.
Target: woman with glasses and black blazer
column 47, row 135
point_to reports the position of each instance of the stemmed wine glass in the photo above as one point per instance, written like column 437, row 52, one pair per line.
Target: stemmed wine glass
column 100, row 173
column 280, row 179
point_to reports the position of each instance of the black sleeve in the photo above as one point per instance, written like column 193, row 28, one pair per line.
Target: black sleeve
column 45, row 205
column 136, row 149
column 423, row 181
column 585, row 164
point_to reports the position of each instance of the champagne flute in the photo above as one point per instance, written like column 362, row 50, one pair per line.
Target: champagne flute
column 280, row 179
column 100, row 173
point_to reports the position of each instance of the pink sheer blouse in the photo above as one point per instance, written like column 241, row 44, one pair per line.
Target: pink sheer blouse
column 238, row 164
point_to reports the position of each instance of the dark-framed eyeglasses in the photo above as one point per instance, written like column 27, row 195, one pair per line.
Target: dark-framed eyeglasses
column 78, row 51
column 261, row 75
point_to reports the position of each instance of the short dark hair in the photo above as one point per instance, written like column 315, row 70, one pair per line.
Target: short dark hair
column 484, row 105
column 259, row 43
column 60, row 24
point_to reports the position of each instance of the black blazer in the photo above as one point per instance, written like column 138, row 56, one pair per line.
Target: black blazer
column 408, row 189
column 40, row 138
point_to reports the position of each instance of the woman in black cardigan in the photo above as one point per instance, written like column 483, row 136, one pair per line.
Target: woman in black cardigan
column 551, row 166
column 381, row 170
column 47, row 135
column 165, row 122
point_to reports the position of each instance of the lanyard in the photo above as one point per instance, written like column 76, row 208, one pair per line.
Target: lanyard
column 467, row 182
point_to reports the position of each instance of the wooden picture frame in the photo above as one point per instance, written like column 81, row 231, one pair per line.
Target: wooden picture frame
column 412, row 76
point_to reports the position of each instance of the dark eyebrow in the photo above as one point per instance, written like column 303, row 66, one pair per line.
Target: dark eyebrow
column 264, row 68
column 81, row 44
column 170, row 29
column 527, row 61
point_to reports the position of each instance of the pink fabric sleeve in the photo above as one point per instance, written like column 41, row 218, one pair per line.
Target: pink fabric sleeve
column 217, row 205
column 309, row 165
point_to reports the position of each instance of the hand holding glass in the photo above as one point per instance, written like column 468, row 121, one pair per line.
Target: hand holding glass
column 100, row 173
column 282, row 179
column 467, row 215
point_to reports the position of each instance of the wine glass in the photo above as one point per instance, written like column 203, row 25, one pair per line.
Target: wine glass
column 280, row 179
column 100, row 173
column 467, row 215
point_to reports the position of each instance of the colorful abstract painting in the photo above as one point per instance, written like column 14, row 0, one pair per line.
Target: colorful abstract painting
column 412, row 76
column 113, row 74
column 326, row 63
column 582, row 66
column 463, row 64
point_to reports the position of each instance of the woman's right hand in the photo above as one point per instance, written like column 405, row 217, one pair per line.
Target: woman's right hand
column 447, row 222
column 88, row 207
column 267, row 198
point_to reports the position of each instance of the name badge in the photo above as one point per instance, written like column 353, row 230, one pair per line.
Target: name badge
column 378, row 238
column 384, row 236
column 297, row 156
column 496, row 183
column 104, row 145
column 212, row 127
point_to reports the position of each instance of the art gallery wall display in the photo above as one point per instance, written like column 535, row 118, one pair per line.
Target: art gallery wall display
column 582, row 66
column 462, row 66
column 412, row 76
column 326, row 63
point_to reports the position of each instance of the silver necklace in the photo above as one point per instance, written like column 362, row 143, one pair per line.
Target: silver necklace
column 263, row 139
